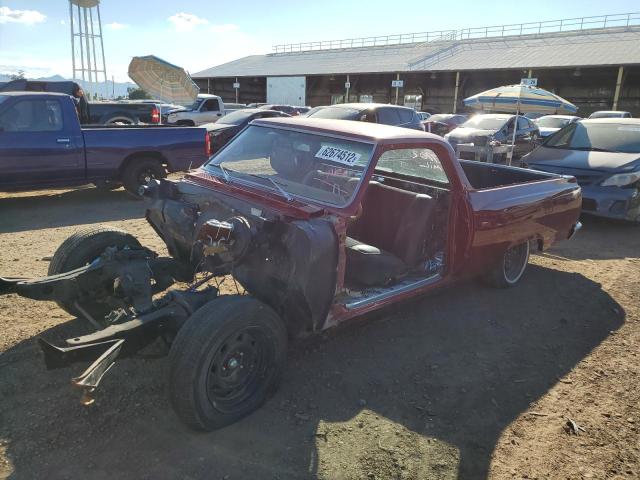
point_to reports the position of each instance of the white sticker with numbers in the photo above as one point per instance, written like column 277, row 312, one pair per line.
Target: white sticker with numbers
column 339, row 155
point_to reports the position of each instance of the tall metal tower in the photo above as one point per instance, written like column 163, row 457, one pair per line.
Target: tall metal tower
column 85, row 29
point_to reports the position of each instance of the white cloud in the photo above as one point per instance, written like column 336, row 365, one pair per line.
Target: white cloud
column 26, row 17
column 224, row 28
column 186, row 22
column 116, row 26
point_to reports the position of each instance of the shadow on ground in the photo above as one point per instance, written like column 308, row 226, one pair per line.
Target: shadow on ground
column 420, row 391
column 63, row 208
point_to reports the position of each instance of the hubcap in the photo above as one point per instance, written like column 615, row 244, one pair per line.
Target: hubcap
column 515, row 261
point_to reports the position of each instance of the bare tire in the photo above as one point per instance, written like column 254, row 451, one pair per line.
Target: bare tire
column 82, row 248
column 509, row 270
column 140, row 171
column 225, row 361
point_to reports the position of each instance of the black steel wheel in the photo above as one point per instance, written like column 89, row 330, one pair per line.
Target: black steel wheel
column 225, row 361
column 82, row 248
column 139, row 172
column 511, row 267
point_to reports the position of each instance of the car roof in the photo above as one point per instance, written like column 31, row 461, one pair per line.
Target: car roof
column 15, row 94
column 621, row 121
column 610, row 111
column 366, row 106
column 369, row 131
column 558, row 116
column 494, row 115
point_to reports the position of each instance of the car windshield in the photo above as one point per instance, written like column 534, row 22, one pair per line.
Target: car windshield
column 483, row 122
column 317, row 167
column 235, row 118
column 195, row 105
column 607, row 137
column 336, row 113
column 552, row 122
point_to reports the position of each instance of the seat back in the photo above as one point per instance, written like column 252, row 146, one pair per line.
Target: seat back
column 394, row 220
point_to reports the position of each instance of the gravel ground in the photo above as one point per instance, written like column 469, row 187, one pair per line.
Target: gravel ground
column 468, row 383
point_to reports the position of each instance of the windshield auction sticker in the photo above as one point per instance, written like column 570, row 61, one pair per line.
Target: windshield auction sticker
column 339, row 155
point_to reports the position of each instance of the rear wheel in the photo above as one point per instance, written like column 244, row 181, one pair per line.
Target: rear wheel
column 82, row 248
column 509, row 270
column 139, row 172
column 225, row 361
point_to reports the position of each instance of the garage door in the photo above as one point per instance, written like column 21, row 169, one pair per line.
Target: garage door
column 286, row 90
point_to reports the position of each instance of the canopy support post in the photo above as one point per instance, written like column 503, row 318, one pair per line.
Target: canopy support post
column 455, row 93
column 616, row 95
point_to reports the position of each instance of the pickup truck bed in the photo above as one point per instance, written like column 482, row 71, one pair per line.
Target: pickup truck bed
column 42, row 144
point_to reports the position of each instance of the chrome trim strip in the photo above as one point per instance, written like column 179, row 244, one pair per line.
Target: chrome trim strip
column 398, row 289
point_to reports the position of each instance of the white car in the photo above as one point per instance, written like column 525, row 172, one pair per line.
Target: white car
column 206, row 109
column 550, row 124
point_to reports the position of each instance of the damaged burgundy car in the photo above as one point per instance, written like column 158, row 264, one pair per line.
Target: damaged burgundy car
column 319, row 221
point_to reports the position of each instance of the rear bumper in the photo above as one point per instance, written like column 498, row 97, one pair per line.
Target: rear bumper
column 611, row 202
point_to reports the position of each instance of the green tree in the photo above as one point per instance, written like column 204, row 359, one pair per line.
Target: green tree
column 17, row 76
column 137, row 94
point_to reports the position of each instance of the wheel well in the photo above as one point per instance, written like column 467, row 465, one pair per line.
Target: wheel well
column 138, row 155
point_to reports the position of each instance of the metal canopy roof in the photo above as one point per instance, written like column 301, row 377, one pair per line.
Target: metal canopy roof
column 597, row 47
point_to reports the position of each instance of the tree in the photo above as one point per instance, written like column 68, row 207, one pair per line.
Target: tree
column 17, row 76
column 137, row 94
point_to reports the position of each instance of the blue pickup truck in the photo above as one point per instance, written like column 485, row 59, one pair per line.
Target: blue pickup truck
column 43, row 145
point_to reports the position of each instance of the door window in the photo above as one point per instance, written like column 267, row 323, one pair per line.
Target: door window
column 211, row 105
column 406, row 116
column 32, row 116
column 389, row 116
column 523, row 123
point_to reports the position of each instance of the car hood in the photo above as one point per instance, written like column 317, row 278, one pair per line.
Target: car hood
column 216, row 127
column 465, row 132
column 557, row 158
column 546, row 131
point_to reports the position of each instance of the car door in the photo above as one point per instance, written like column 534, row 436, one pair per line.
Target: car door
column 209, row 111
column 526, row 135
column 35, row 146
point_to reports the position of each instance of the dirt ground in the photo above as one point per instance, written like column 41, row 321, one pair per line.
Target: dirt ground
column 468, row 383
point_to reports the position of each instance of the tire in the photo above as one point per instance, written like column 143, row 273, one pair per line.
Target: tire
column 139, row 171
column 82, row 248
column 215, row 341
column 511, row 267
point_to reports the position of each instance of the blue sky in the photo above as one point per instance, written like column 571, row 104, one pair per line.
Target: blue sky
column 34, row 34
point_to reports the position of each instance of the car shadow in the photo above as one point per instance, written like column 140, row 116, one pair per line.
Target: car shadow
column 622, row 241
column 420, row 390
column 61, row 208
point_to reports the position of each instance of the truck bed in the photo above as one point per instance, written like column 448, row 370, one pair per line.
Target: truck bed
column 483, row 175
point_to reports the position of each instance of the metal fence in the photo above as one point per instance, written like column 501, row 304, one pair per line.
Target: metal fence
column 516, row 29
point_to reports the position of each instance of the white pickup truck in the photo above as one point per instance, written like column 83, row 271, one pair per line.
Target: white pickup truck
column 206, row 109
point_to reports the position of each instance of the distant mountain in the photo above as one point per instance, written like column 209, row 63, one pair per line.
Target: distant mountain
column 108, row 90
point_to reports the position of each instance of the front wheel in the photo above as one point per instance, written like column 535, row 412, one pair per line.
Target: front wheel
column 509, row 270
column 225, row 361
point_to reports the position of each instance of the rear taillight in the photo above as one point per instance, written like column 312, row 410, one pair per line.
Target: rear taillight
column 207, row 144
column 155, row 115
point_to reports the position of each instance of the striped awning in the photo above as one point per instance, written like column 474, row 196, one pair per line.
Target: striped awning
column 520, row 99
column 163, row 80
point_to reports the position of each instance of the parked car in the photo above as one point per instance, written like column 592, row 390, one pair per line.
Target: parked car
column 226, row 128
column 42, row 145
column 320, row 221
column 610, row 114
column 550, row 124
column 205, row 109
column 483, row 128
column 371, row 112
column 100, row 112
column 255, row 105
column 534, row 115
column 165, row 108
column 604, row 155
column 229, row 107
column 443, row 123
column 302, row 110
column 288, row 109
column 423, row 115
